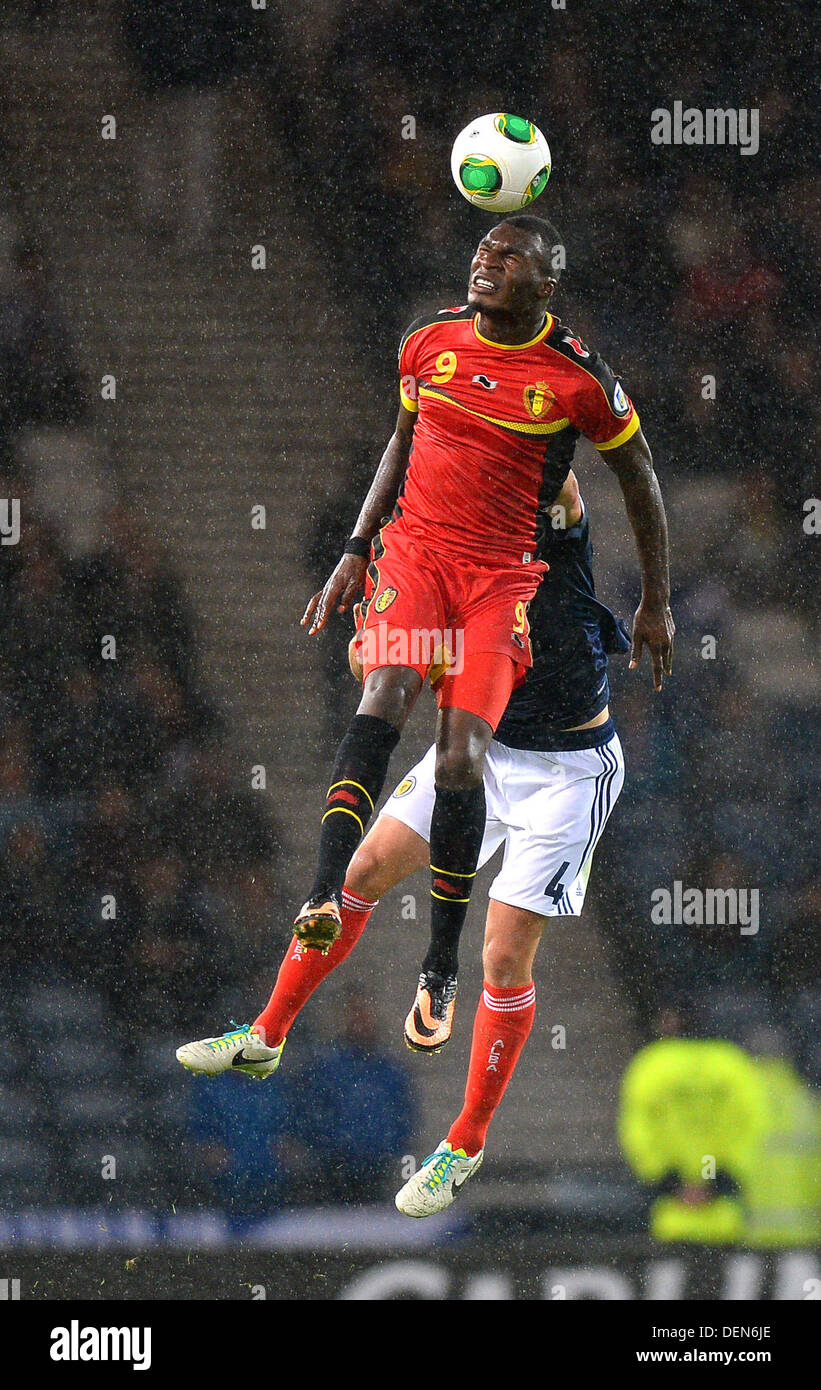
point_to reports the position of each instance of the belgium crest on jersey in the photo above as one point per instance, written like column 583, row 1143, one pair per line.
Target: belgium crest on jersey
column 538, row 398
column 385, row 599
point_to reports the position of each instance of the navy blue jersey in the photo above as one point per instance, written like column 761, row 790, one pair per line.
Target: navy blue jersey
column 571, row 634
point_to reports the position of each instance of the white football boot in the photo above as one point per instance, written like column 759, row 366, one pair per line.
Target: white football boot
column 241, row 1050
column 438, row 1182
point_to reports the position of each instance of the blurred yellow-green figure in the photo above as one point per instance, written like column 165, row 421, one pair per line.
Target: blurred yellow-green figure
column 783, row 1192
column 692, row 1117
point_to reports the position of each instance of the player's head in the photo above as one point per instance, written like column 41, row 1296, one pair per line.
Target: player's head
column 514, row 267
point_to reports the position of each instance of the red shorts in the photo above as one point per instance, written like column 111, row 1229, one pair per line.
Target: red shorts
column 463, row 624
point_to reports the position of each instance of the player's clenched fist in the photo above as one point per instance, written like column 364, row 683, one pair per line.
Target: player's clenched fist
column 339, row 592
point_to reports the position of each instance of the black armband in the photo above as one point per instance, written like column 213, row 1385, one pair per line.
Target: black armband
column 357, row 545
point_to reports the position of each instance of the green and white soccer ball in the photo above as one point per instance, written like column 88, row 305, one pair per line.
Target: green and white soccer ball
column 500, row 162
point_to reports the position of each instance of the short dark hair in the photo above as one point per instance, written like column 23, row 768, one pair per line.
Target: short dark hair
column 546, row 233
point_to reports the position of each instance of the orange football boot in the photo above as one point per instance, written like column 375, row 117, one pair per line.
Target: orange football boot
column 429, row 1024
column 319, row 923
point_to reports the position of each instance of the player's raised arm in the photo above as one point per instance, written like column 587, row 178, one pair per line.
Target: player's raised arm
column 347, row 579
column 653, row 624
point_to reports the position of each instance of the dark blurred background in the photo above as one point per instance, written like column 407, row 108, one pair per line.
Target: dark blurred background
column 132, row 774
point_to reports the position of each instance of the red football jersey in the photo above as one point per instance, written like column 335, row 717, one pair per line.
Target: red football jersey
column 496, row 430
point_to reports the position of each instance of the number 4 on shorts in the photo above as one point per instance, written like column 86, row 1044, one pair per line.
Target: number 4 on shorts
column 555, row 887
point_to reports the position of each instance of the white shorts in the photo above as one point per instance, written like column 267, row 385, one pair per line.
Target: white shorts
column 547, row 809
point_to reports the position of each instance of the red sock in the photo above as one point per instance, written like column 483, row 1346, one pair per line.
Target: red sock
column 501, row 1028
column 302, row 970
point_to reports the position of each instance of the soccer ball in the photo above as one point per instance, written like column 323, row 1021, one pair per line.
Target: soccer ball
column 500, row 162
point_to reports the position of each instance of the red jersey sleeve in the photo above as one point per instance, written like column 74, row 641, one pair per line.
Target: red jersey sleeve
column 408, row 393
column 598, row 405
column 412, row 347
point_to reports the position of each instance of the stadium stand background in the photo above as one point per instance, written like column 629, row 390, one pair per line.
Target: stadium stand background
column 237, row 388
